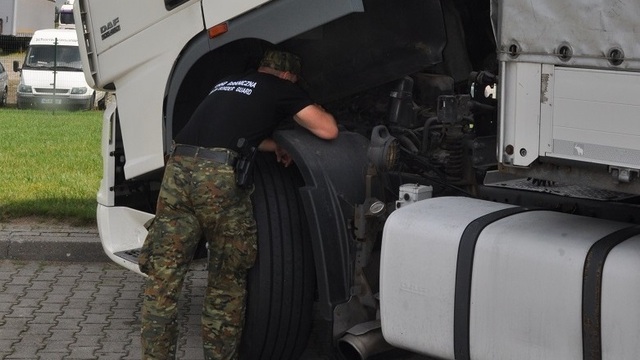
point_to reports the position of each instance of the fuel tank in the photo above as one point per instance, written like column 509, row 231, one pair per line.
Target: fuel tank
column 469, row 279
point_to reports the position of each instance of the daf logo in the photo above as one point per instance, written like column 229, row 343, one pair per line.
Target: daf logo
column 111, row 28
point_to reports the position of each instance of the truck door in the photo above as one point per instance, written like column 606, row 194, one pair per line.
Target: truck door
column 130, row 47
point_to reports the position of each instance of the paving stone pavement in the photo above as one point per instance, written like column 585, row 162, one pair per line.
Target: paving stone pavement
column 84, row 310
column 62, row 298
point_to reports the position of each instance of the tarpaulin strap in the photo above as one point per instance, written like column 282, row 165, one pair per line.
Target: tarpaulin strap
column 592, row 290
column 464, row 269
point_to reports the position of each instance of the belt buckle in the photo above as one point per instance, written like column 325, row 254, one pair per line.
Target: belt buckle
column 225, row 155
column 228, row 157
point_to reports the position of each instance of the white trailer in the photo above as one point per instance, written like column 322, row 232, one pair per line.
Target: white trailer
column 19, row 19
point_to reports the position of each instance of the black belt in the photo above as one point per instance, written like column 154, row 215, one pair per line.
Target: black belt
column 219, row 155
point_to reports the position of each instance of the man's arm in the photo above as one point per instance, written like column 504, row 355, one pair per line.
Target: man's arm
column 315, row 119
column 318, row 121
column 267, row 145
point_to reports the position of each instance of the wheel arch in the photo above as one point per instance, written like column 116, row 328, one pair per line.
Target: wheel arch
column 334, row 175
column 204, row 60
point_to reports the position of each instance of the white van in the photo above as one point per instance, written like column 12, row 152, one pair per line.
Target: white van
column 51, row 74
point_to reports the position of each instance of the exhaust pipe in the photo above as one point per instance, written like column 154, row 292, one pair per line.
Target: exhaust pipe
column 363, row 341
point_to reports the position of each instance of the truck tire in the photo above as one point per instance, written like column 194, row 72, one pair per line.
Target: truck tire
column 281, row 286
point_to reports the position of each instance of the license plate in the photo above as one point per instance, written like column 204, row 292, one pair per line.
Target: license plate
column 52, row 101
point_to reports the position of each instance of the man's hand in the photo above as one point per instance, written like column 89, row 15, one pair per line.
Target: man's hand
column 282, row 156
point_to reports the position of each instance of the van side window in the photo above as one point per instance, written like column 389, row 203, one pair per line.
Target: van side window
column 170, row 4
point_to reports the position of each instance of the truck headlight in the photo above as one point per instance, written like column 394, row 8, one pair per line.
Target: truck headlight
column 22, row 88
column 78, row 90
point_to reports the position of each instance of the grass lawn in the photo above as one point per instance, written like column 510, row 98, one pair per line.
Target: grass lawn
column 50, row 164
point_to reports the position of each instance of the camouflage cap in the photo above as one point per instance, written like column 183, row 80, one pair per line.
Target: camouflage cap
column 282, row 61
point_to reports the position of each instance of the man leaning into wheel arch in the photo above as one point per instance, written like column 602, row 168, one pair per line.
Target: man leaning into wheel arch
column 200, row 196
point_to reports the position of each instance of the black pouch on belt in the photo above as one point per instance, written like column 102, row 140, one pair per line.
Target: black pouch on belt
column 244, row 165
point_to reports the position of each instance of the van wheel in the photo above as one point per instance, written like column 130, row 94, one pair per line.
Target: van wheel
column 281, row 286
column 3, row 100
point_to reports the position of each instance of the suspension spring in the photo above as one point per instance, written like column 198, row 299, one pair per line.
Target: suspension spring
column 453, row 144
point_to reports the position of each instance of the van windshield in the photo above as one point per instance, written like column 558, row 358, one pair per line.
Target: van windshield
column 46, row 57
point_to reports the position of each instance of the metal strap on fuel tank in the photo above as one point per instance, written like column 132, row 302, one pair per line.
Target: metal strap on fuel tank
column 592, row 290
column 464, row 269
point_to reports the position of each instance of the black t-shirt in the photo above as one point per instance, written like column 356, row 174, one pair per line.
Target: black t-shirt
column 248, row 106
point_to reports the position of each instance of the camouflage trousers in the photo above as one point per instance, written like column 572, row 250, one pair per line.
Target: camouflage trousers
column 198, row 197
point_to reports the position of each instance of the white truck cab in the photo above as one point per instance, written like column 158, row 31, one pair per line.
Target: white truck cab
column 51, row 74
